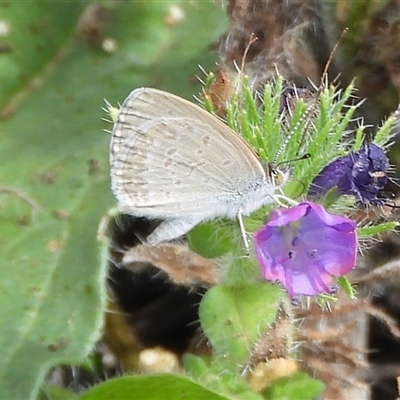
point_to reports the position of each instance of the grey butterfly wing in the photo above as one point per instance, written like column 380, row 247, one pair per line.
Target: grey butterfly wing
column 170, row 158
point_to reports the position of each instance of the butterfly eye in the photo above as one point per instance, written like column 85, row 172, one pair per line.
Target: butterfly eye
column 275, row 175
column 278, row 177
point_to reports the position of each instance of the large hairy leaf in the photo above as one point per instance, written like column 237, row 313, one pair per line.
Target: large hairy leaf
column 54, row 160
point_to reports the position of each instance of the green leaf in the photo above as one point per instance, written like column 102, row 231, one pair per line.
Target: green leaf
column 53, row 149
column 234, row 317
column 202, row 371
column 297, row 387
column 52, row 291
column 211, row 240
column 196, row 366
column 38, row 32
column 155, row 387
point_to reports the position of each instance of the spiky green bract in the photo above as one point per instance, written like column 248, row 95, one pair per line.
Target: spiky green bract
column 317, row 126
column 322, row 124
column 373, row 230
column 346, row 286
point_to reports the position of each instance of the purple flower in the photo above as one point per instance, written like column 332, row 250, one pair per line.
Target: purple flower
column 361, row 174
column 303, row 247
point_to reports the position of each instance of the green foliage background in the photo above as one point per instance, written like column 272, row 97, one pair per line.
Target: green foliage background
column 53, row 149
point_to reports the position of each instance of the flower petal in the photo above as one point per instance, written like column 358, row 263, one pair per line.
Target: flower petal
column 304, row 247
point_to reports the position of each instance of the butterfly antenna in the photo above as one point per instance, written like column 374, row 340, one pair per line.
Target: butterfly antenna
column 243, row 232
column 322, row 83
column 311, row 109
column 304, row 117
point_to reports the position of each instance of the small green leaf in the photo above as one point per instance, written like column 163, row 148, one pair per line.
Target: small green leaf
column 233, row 317
column 210, row 240
column 299, row 386
column 196, row 366
column 202, row 370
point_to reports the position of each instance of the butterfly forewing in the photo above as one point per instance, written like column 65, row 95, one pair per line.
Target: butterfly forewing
column 168, row 157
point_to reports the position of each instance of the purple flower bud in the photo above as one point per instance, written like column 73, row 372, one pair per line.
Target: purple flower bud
column 361, row 174
column 303, row 247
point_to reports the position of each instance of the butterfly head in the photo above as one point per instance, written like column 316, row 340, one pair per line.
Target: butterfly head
column 276, row 175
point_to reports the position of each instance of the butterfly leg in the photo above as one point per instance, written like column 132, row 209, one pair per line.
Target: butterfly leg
column 278, row 197
column 173, row 229
column 243, row 231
